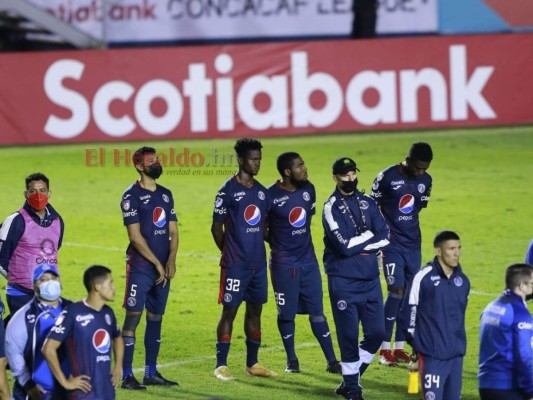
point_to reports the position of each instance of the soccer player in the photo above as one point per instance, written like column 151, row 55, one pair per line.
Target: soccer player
column 294, row 268
column 402, row 191
column 354, row 232
column 505, row 337
column 89, row 329
column 432, row 317
column 28, row 237
column 529, row 254
column 238, row 229
column 151, row 223
column 26, row 333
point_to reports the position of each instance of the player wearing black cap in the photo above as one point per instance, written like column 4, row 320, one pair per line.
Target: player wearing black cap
column 354, row 232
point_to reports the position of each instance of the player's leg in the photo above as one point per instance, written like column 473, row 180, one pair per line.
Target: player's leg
column 156, row 302
column 452, row 387
column 393, row 269
column 373, row 322
column 134, row 299
column 311, row 302
column 286, row 285
column 345, row 315
column 433, row 375
column 255, row 296
column 231, row 295
column 412, row 261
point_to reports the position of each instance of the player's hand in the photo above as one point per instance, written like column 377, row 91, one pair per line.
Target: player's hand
column 116, row 376
column 161, row 278
column 170, row 269
column 80, row 382
column 413, row 364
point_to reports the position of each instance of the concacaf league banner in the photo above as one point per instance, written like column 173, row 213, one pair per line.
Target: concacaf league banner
column 119, row 21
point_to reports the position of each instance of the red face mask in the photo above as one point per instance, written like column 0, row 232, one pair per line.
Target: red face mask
column 38, row 201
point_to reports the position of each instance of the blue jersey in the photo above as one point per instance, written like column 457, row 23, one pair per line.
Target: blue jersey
column 529, row 254
column 505, row 355
column 289, row 226
column 153, row 211
column 243, row 211
column 401, row 199
column 433, row 312
column 88, row 335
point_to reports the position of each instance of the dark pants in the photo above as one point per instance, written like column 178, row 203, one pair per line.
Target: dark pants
column 500, row 394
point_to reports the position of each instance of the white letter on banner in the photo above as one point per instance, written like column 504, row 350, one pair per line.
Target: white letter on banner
column 197, row 88
column 385, row 110
column 468, row 92
column 70, row 99
column 116, row 127
column 411, row 81
column 224, row 87
column 303, row 85
column 276, row 90
column 154, row 125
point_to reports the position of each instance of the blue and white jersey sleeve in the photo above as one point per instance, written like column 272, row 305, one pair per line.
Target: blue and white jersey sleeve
column 222, row 203
column 130, row 207
column 63, row 326
column 523, row 355
column 15, row 343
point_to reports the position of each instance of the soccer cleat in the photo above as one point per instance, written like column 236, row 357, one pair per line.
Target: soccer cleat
column 401, row 356
column 343, row 391
column 334, row 367
column 223, row 373
column 259, row 370
column 158, row 380
column 293, row 367
column 386, row 358
column 130, row 383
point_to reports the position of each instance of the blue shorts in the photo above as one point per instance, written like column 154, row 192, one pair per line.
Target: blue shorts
column 441, row 380
column 141, row 291
column 238, row 285
column 297, row 291
column 399, row 267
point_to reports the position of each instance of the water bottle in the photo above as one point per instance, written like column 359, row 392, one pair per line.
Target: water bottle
column 412, row 383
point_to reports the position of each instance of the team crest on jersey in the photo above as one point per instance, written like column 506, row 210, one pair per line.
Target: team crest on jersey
column 458, row 281
column 421, row 188
column 132, row 301
column 252, row 215
column 126, row 205
column 375, row 185
column 390, row 280
column 261, row 195
column 60, row 319
column 227, row 298
column 306, row 196
column 159, row 217
column 165, row 198
column 407, row 204
column 429, row 395
column 363, row 204
column 297, row 217
column 218, row 202
column 107, row 319
column 342, row 305
column 101, row 341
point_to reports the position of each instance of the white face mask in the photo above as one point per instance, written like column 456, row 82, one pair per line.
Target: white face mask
column 50, row 290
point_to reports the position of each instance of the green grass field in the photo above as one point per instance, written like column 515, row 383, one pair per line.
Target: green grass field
column 482, row 189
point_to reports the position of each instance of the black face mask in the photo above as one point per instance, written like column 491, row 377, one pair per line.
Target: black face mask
column 349, row 186
column 154, row 171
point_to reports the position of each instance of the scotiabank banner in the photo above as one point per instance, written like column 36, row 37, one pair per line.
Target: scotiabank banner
column 265, row 89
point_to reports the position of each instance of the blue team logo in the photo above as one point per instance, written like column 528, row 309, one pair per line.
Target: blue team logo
column 252, row 215
column 101, row 341
column 297, row 217
column 159, row 217
column 407, row 204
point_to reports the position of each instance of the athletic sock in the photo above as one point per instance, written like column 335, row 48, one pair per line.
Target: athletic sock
column 252, row 348
column 152, row 343
column 222, row 353
column 129, row 350
column 323, row 335
column 392, row 306
column 286, row 330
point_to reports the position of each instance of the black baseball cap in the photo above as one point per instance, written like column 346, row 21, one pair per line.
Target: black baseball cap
column 343, row 165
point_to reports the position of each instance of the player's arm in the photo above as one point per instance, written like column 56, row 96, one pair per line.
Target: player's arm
column 170, row 267
column 10, row 233
column 523, row 357
column 118, row 352
column 138, row 241
column 217, row 231
column 379, row 228
column 80, row 382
